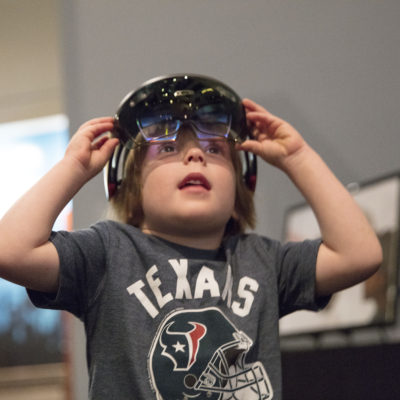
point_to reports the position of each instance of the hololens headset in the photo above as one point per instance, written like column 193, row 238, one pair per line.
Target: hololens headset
column 158, row 109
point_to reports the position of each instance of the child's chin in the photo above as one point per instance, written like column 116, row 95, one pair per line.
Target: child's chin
column 202, row 221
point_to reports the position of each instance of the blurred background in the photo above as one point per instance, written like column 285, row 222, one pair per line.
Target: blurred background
column 329, row 68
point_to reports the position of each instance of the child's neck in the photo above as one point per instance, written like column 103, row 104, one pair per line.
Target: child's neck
column 199, row 241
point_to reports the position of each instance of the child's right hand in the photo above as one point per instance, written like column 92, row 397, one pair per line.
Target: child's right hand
column 90, row 148
column 27, row 257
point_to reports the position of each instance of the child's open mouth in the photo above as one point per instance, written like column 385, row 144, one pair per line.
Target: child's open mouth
column 195, row 180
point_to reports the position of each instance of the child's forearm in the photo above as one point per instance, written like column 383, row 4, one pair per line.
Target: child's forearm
column 25, row 255
column 33, row 215
column 351, row 251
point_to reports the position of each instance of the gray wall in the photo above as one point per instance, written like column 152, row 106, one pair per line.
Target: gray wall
column 329, row 67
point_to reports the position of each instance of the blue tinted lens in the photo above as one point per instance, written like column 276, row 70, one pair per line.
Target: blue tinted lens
column 212, row 119
column 158, row 126
column 209, row 120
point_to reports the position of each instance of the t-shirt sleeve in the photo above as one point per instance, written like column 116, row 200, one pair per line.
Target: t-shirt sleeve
column 296, row 277
column 82, row 256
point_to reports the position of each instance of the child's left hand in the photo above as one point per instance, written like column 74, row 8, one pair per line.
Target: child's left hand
column 274, row 139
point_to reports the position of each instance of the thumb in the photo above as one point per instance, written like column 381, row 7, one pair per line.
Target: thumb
column 108, row 147
column 269, row 151
column 104, row 151
column 253, row 146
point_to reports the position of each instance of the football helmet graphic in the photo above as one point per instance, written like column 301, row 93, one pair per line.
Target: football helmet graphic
column 199, row 354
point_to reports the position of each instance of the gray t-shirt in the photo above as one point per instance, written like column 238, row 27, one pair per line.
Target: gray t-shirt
column 171, row 322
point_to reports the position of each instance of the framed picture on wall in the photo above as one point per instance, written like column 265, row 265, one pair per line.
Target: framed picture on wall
column 370, row 303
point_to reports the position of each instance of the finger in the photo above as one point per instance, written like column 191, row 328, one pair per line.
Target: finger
column 263, row 116
column 256, row 132
column 259, row 122
column 96, row 130
column 96, row 121
column 253, row 146
column 251, row 105
column 98, row 143
column 270, row 153
column 105, row 151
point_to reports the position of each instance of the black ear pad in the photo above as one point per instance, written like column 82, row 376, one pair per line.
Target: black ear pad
column 250, row 170
column 113, row 171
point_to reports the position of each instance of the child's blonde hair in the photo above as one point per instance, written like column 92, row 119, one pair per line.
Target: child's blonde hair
column 126, row 204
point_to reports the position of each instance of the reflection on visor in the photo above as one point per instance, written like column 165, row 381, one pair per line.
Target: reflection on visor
column 161, row 107
column 209, row 120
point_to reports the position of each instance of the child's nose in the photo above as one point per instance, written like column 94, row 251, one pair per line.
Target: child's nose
column 194, row 154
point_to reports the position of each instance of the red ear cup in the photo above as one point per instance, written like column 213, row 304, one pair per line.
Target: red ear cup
column 113, row 171
column 250, row 170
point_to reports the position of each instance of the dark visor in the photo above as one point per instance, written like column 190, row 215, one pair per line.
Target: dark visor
column 162, row 106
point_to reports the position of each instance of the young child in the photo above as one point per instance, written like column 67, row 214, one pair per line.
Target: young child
column 177, row 301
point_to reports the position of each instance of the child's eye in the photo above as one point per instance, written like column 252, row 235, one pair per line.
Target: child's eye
column 214, row 149
column 167, row 148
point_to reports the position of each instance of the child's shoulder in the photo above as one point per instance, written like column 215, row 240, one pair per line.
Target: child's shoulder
column 105, row 230
column 251, row 240
column 113, row 226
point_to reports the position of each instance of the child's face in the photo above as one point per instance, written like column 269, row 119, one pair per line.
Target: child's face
column 188, row 186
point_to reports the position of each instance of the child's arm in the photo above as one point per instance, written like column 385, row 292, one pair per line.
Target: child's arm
column 350, row 251
column 26, row 255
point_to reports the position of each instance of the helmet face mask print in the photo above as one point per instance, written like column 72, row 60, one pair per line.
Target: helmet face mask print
column 199, row 354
